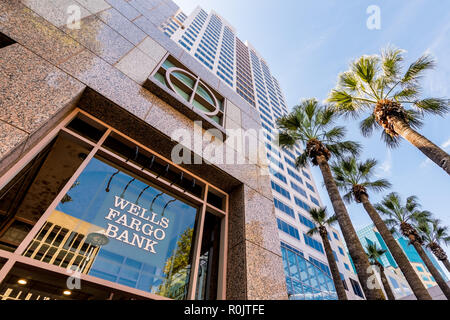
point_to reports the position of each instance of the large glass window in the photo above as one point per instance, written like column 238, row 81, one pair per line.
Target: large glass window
column 94, row 203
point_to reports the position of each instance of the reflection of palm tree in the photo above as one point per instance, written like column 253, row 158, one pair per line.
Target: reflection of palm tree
column 177, row 265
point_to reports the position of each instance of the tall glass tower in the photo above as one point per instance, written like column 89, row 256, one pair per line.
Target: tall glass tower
column 370, row 235
column 213, row 41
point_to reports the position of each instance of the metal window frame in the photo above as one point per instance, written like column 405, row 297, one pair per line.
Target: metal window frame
column 17, row 256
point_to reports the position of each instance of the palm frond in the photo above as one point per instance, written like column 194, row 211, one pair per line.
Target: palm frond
column 366, row 68
column 378, row 185
column 434, row 106
column 391, row 142
column 302, row 160
column 368, row 125
column 341, row 149
column 343, row 101
column 416, row 69
column 390, row 63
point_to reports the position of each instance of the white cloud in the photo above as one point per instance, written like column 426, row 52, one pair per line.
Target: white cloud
column 386, row 166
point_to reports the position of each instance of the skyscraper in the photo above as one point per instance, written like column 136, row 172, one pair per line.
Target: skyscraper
column 370, row 235
column 213, row 41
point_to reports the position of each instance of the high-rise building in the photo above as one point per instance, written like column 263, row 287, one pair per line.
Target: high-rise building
column 370, row 235
column 214, row 42
column 94, row 99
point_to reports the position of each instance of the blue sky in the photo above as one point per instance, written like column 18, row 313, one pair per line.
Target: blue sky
column 308, row 43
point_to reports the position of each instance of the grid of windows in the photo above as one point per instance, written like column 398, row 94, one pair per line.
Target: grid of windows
column 277, row 175
column 298, row 189
column 321, row 266
column 306, row 221
column 288, row 229
column 306, row 174
column 294, row 175
column 310, row 187
column 302, row 204
column 304, row 280
column 281, row 190
column 314, row 200
column 283, row 207
column 244, row 81
column 313, row 243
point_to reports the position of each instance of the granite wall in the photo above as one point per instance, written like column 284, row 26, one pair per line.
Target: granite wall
column 101, row 67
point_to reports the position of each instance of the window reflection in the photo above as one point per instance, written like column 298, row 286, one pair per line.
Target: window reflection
column 114, row 226
column 25, row 199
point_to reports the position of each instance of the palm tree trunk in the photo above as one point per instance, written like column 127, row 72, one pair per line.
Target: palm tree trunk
column 355, row 248
column 432, row 151
column 446, row 264
column 405, row 266
column 340, row 290
column 386, row 286
column 434, row 272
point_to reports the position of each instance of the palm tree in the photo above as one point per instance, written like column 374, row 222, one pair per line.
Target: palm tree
column 377, row 84
column 312, row 125
column 402, row 218
column 320, row 217
column 374, row 255
column 355, row 179
column 433, row 234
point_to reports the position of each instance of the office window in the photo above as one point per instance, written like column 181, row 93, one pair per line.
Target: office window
column 306, row 174
column 356, row 288
column 280, row 190
column 321, row 266
column 283, row 207
column 420, row 269
column 313, row 243
column 302, row 204
column 306, row 221
column 298, row 189
column 346, row 266
column 343, row 281
column 310, row 187
column 314, row 200
column 288, row 229
column 394, row 283
column 341, row 251
column 335, row 256
column 335, row 235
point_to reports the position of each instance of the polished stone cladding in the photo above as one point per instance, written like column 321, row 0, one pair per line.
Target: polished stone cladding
column 101, row 67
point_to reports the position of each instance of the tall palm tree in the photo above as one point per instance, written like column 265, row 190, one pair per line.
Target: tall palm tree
column 313, row 125
column 374, row 255
column 402, row 219
column 377, row 84
column 433, row 234
column 320, row 217
column 355, row 179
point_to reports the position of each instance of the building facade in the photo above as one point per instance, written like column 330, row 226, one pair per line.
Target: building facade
column 370, row 235
column 210, row 39
column 96, row 106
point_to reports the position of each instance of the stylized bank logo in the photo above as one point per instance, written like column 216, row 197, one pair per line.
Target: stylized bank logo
column 199, row 88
